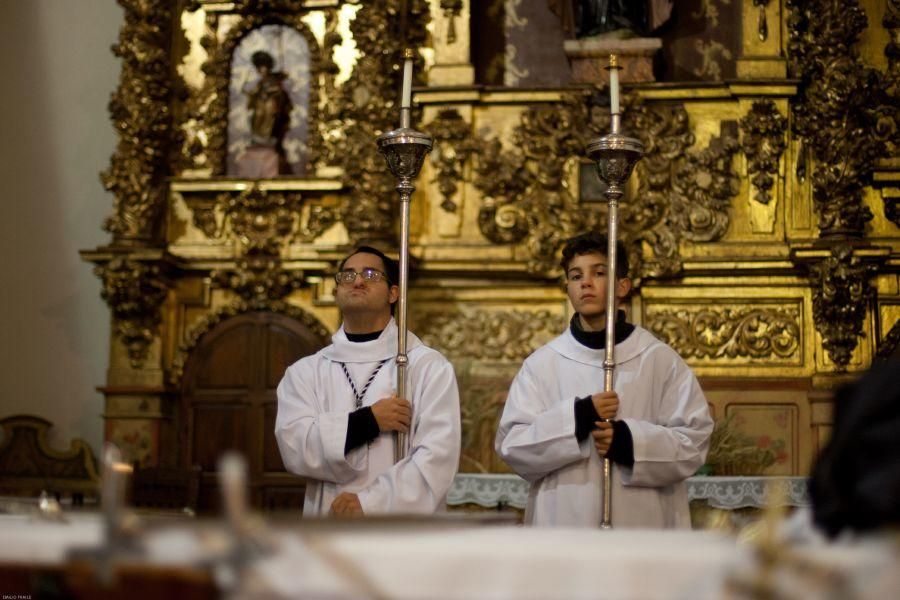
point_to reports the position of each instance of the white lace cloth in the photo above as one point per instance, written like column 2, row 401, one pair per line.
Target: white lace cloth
column 490, row 490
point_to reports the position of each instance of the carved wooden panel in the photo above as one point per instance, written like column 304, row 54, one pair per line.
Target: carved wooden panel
column 229, row 400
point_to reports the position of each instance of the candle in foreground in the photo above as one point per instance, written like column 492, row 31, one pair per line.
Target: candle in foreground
column 613, row 85
column 406, row 95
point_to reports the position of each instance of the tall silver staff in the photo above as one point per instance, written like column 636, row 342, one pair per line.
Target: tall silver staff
column 615, row 155
column 404, row 149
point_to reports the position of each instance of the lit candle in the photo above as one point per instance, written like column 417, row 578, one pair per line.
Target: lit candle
column 613, row 85
column 406, row 95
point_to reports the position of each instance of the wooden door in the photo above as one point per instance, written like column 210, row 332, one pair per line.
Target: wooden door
column 229, row 403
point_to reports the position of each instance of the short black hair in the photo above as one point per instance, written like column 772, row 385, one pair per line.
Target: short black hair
column 390, row 265
column 593, row 242
column 261, row 58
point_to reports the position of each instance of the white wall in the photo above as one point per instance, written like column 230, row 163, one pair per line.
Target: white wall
column 57, row 73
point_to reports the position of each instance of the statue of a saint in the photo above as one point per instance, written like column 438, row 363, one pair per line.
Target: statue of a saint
column 627, row 18
column 270, row 117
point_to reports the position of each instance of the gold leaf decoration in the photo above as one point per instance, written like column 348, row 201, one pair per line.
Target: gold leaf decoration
column 207, row 323
column 763, row 144
column 488, row 335
column 682, row 194
column 366, row 106
column 719, row 332
column 844, row 112
column 134, row 291
column 141, row 114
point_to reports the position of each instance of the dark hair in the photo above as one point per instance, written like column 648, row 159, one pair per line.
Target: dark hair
column 260, row 59
column 855, row 482
column 592, row 242
column 390, row 265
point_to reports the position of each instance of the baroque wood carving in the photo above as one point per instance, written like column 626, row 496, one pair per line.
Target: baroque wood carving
column 488, row 335
column 841, row 296
column 209, row 322
column 683, row 195
column 262, row 220
column 365, row 106
column 453, row 144
column 844, row 113
column 763, row 143
column 140, row 109
column 134, row 291
column 717, row 332
column 890, row 345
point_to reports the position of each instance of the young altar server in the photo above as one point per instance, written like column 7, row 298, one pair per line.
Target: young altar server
column 553, row 431
column 337, row 409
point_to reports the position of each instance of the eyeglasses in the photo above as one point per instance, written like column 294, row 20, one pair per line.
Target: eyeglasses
column 369, row 275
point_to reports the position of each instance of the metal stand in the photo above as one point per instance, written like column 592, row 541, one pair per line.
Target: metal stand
column 615, row 155
column 404, row 149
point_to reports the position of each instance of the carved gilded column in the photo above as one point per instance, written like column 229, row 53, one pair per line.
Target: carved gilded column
column 134, row 271
column 140, row 110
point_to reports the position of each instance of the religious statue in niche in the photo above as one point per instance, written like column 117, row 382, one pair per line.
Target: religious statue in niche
column 269, row 104
column 616, row 18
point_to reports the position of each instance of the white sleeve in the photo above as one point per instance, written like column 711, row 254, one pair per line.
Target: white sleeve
column 673, row 448
column 419, row 483
column 312, row 442
column 535, row 440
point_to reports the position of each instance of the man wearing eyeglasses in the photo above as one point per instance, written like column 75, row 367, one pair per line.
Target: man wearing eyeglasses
column 338, row 410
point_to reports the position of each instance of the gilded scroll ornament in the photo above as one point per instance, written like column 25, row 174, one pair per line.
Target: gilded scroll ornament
column 453, row 145
column 681, row 195
column 209, row 322
column 763, row 143
column 488, row 335
column 259, row 279
column 134, row 291
column 141, row 114
column 841, row 296
column 263, row 221
column 365, row 106
column 844, row 113
column 727, row 333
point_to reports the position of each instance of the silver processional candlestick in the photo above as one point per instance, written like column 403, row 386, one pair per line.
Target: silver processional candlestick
column 615, row 155
column 404, row 149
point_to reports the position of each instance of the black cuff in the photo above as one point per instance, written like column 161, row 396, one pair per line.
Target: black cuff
column 585, row 417
column 622, row 449
column 362, row 428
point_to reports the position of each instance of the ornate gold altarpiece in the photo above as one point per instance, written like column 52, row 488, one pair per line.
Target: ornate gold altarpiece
column 762, row 223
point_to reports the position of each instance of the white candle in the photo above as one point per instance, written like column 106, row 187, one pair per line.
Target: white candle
column 613, row 85
column 406, row 95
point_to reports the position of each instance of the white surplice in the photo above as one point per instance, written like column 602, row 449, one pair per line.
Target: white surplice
column 315, row 400
column 660, row 401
